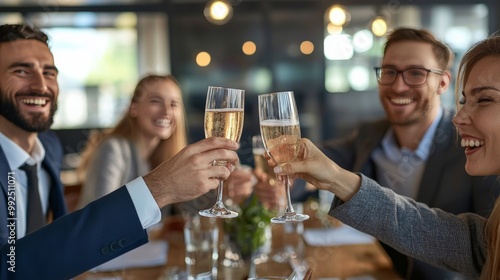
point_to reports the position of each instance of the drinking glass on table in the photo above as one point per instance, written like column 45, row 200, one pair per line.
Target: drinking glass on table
column 201, row 240
column 224, row 111
column 280, row 131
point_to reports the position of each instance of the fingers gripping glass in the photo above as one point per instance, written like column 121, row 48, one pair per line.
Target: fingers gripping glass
column 223, row 118
column 280, row 131
column 411, row 76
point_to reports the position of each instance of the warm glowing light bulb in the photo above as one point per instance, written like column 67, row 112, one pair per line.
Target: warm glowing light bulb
column 219, row 10
column 249, row 48
column 379, row 26
column 337, row 15
column 203, row 59
column 307, row 47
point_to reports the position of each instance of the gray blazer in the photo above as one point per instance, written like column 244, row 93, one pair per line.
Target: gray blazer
column 115, row 163
column 455, row 242
column 444, row 184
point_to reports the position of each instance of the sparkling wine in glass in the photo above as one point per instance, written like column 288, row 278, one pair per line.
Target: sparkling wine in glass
column 280, row 131
column 224, row 111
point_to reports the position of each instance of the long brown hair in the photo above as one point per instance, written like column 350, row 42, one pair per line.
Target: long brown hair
column 127, row 128
column 485, row 48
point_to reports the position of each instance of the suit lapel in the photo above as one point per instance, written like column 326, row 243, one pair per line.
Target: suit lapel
column 57, row 203
column 4, row 170
column 441, row 142
column 368, row 141
column 52, row 164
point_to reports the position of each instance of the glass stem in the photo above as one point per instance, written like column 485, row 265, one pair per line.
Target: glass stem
column 289, row 207
column 219, row 195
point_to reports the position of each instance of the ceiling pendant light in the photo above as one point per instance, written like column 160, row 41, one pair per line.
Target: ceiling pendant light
column 218, row 11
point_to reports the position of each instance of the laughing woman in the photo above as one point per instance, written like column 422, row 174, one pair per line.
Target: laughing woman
column 466, row 243
column 151, row 131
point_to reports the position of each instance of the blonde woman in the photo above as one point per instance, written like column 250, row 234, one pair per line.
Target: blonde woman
column 151, row 131
column 467, row 243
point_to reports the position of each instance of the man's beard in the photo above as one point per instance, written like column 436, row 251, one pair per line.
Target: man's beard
column 415, row 117
column 34, row 123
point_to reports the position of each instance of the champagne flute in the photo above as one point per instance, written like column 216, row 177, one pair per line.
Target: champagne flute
column 224, row 110
column 280, row 131
column 259, row 159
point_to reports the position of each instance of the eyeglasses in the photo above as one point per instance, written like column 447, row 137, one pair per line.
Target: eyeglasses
column 411, row 76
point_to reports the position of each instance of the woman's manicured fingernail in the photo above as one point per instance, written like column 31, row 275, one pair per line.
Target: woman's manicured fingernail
column 277, row 169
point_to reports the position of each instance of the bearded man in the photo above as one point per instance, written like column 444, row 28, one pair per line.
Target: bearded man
column 28, row 94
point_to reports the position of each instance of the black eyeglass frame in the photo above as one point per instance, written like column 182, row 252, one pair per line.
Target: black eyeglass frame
column 377, row 74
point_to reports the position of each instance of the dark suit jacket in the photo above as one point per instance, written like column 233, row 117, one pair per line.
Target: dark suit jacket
column 445, row 184
column 52, row 164
column 77, row 242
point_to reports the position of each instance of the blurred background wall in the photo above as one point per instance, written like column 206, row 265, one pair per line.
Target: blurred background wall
column 324, row 51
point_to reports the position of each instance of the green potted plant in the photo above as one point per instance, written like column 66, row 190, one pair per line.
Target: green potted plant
column 249, row 231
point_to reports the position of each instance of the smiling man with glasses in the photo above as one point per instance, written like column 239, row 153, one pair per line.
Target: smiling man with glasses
column 414, row 151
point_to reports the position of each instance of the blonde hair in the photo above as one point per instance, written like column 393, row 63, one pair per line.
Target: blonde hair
column 485, row 48
column 127, row 128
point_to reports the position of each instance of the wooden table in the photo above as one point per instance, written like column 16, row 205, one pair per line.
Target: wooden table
column 328, row 262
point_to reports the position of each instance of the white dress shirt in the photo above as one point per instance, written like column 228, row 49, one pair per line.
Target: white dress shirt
column 401, row 169
column 16, row 157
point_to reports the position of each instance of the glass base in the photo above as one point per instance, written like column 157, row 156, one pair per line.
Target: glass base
column 281, row 257
column 290, row 218
column 218, row 213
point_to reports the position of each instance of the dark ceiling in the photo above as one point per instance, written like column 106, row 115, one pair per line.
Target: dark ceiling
column 193, row 7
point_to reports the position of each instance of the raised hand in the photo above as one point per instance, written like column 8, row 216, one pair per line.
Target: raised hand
column 190, row 173
column 316, row 168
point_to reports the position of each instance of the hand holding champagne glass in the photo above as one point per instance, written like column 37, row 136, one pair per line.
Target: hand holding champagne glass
column 280, row 130
column 224, row 110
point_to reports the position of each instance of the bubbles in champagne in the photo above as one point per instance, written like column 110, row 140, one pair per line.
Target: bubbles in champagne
column 226, row 123
column 281, row 138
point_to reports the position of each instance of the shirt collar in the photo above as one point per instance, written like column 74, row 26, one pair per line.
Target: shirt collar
column 393, row 152
column 16, row 156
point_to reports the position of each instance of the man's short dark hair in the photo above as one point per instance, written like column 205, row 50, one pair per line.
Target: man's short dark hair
column 442, row 52
column 12, row 32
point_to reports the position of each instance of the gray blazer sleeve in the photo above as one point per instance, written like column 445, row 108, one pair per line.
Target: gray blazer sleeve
column 108, row 170
column 455, row 242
